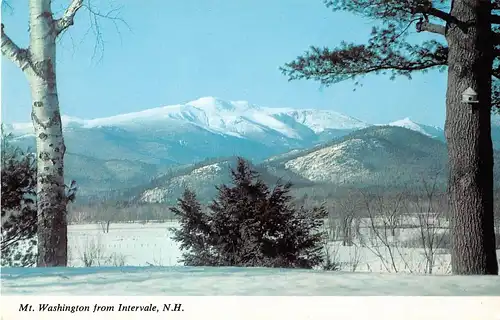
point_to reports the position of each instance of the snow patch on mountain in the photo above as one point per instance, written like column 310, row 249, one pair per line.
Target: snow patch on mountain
column 166, row 191
column 284, row 155
column 334, row 163
column 211, row 170
column 407, row 123
column 320, row 120
column 155, row 195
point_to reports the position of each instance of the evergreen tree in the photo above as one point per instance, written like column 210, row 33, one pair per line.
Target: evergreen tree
column 250, row 225
column 19, row 219
column 467, row 45
column 194, row 233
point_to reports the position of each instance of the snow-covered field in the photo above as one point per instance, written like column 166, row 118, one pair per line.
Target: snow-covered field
column 141, row 259
column 130, row 244
column 149, row 244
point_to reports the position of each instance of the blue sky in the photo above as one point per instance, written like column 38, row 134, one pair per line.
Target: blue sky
column 177, row 51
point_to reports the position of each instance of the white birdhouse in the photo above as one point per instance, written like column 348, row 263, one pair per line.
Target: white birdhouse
column 469, row 96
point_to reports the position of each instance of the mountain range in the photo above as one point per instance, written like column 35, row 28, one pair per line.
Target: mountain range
column 387, row 157
column 129, row 151
column 375, row 156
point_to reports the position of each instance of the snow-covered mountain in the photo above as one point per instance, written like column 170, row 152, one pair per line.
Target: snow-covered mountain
column 388, row 157
column 378, row 155
column 191, row 132
column 430, row 131
column 207, row 127
column 381, row 156
column 315, row 145
column 438, row 133
column 236, row 118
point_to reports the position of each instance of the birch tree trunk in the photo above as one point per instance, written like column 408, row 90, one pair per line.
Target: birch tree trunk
column 468, row 133
column 39, row 65
column 52, row 224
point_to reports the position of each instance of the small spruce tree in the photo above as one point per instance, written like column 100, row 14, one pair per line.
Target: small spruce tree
column 19, row 217
column 194, row 232
column 250, row 225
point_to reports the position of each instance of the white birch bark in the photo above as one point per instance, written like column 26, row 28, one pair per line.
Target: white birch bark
column 39, row 65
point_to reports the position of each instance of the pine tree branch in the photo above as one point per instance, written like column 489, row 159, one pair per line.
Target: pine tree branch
column 441, row 15
column 68, row 17
column 428, row 10
column 350, row 61
column 431, row 27
column 19, row 56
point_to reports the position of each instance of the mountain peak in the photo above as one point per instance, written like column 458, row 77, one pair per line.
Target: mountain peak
column 427, row 130
column 212, row 103
column 409, row 124
column 403, row 121
column 208, row 100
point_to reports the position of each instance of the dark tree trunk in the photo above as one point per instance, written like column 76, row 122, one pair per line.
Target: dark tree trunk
column 468, row 135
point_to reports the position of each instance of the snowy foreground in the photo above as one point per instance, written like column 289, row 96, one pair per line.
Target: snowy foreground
column 141, row 260
column 178, row 281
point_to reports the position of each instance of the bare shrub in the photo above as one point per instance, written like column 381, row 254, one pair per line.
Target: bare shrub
column 331, row 261
column 332, row 228
column 432, row 226
column 384, row 218
column 349, row 207
column 92, row 253
column 78, row 217
column 332, row 247
column 354, row 258
column 157, row 262
column 344, row 209
column 116, row 260
column 105, row 225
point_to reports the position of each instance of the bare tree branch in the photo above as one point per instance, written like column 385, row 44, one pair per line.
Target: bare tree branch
column 15, row 54
column 95, row 15
column 5, row 4
column 68, row 17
